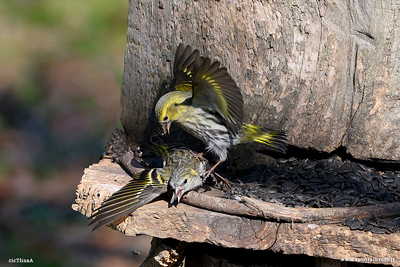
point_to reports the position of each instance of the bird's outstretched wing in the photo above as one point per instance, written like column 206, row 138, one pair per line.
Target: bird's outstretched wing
column 215, row 90
column 183, row 66
column 142, row 189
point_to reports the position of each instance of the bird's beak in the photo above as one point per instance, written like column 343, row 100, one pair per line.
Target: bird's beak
column 166, row 127
column 177, row 195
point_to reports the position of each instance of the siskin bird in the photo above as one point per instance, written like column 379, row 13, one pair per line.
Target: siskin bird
column 208, row 105
column 181, row 174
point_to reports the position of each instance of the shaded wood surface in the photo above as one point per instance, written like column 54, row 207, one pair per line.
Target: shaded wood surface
column 191, row 224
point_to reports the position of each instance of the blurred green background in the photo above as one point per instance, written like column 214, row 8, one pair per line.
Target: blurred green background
column 61, row 65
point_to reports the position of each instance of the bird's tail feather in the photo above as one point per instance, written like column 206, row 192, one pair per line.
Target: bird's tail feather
column 276, row 140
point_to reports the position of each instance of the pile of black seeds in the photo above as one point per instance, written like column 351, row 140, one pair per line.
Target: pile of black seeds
column 374, row 225
column 323, row 184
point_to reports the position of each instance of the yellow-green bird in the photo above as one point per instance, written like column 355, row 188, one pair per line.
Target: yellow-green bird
column 181, row 174
column 208, row 104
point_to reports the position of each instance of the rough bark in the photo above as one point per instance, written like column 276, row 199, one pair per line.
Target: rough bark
column 326, row 72
column 190, row 224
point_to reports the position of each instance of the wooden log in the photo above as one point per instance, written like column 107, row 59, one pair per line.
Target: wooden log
column 275, row 211
column 190, row 224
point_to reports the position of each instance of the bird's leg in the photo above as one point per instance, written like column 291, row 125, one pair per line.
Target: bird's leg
column 226, row 181
column 200, row 155
column 207, row 173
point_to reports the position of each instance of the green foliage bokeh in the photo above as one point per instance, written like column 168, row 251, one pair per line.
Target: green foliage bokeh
column 61, row 66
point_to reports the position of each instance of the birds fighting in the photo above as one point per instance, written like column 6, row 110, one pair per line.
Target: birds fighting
column 207, row 104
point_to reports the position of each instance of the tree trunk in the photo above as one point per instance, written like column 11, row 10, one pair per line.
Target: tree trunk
column 326, row 72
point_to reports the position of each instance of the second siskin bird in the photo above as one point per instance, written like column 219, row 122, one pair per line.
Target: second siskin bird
column 209, row 105
column 180, row 174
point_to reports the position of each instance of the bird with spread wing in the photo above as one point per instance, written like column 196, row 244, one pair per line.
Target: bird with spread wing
column 208, row 104
column 180, row 174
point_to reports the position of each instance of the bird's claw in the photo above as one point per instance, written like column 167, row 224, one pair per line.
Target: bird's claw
column 225, row 180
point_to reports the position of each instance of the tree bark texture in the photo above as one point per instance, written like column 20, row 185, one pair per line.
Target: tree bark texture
column 198, row 225
column 326, row 72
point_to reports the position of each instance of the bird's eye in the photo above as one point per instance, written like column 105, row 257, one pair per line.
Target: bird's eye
column 185, row 181
column 165, row 118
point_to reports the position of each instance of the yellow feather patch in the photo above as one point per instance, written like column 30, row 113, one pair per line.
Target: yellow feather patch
column 258, row 134
column 160, row 179
column 218, row 93
column 166, row 105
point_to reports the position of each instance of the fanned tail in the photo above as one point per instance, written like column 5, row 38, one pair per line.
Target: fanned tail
column 274, row 139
